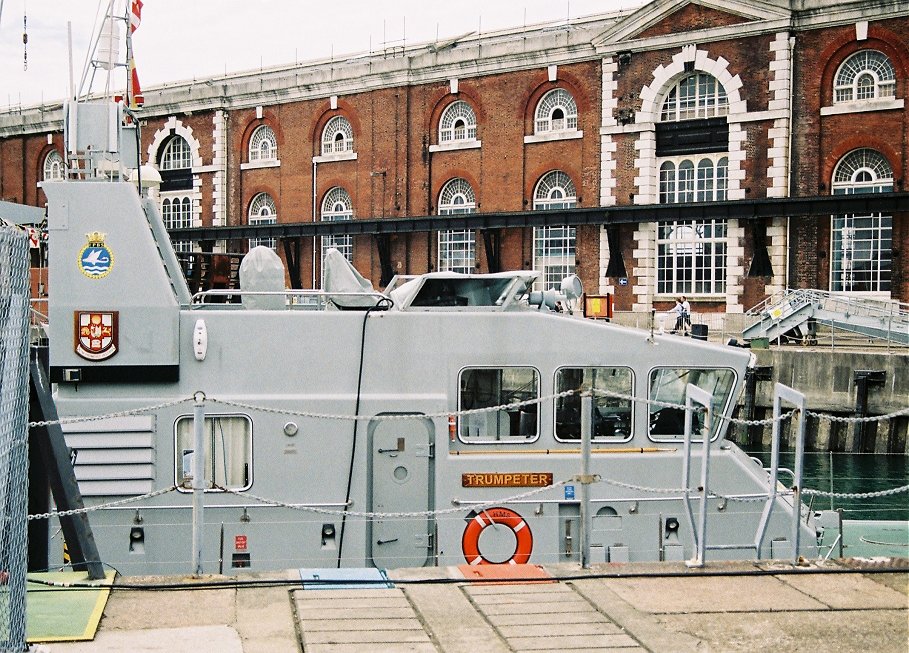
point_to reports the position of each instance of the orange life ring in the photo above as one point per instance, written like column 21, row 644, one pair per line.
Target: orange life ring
column 470, row 541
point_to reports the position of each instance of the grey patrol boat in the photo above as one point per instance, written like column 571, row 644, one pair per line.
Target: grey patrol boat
column 436, row 423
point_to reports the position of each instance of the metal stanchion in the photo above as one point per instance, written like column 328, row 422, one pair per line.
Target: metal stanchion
column 585, row 478
column 198, row 479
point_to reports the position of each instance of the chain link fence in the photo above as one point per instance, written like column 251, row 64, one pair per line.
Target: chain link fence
column 14, row 314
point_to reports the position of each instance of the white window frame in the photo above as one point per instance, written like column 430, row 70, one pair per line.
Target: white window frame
column 694, row 96
column 336, row 206
column 243, row 449
column 864, row 76
column 263, row 145
column 262, row 210
column 554, row 247
column 614, row 412
column 337, row 137
column 556, row 101
column 177, row 213
column 494, row 427
column 177, row 154
column 458, row 123
column 54, row 166
column 457, row 247
column 861, row 257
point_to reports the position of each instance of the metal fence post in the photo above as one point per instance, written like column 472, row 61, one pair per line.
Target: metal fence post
column 694, row 394
column 586, row 517
column 198, row 480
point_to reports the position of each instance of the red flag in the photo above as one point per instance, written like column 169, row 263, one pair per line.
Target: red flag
column 136, row 98
column 135, row 15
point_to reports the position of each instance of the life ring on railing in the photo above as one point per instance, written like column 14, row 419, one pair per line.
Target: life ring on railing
column 470, row 541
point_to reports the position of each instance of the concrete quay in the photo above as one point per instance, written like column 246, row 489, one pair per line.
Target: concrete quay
column 743, row 606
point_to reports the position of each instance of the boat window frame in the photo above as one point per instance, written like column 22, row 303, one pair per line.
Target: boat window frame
column 630, row 392
column 509, row 440
column 178, row 458
column 717, row 424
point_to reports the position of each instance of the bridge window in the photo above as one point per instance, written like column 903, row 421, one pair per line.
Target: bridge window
column 457, row 248
column 487, row 387
column 612, row 414
column 862, row 245
column 668, row 385
column 864, row 75
column 228, row 451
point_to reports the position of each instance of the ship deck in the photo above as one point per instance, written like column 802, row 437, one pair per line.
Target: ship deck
column 843, row 605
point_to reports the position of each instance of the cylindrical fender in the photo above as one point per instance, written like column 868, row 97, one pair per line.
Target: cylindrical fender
column 470, row 541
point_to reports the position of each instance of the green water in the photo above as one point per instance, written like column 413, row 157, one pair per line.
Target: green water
column 852, row 472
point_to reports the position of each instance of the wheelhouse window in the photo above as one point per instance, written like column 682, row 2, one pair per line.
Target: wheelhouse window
column 263, row 145
column 487, row 387
column 457, row 247
column 612, row 409
column 177, row 213
column 556, row 111
column 54, row 167
column 668, row 385
column 458, row 123
column 695, row 96
column 228, row 451
column 554, row 246
column 336, row 207
column 338, row 136
column 262, row 211
column 864, row 75
column 862, row 245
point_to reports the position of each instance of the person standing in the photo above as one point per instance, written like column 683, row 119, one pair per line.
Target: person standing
column 679, row 316
column 685, row 314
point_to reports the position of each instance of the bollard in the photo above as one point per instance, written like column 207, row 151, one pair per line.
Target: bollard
column 198, row 480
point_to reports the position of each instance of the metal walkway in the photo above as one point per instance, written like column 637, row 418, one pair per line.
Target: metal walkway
column 799, row 311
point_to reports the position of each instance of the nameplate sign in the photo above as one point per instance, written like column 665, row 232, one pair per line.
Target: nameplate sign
column 508, row 479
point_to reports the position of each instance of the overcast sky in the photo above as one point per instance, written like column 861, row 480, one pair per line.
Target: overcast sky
column 186, row 39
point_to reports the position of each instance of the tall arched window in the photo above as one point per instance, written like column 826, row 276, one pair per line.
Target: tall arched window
column 337, row 206
column 457, row 247
column 698, row 95
column 337, row 137
column 864, row 75
column 177, row 213
column 263, row 146
column 54, row 168
column 262, row 211
column 458, row 123
column 554, row 247
column 556, row 111
column 175, row 164
column 861, row 245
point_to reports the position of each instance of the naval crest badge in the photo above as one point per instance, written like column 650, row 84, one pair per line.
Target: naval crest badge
column 95, row 259
column 96, row 334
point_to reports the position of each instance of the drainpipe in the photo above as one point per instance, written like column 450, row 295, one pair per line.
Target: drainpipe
column 789, row 172
column 314, row 167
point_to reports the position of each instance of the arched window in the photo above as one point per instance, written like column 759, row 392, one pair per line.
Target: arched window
column 175, row 164
column 457, row 247
column 54, row 168
column 556, row 111
column 263, row 146
column 335, row 207
column 698, row 95
column 337, row 136
column 864, row 75
column 554, row 247
column 262, row 211
column 862, row 249
column 458, row 123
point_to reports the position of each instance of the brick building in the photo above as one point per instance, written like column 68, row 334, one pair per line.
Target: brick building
column 672, row 103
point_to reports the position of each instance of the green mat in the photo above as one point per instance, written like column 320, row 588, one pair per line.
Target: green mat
column 55, row 613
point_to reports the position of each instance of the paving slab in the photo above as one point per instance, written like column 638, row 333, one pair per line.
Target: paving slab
column 191, row 639
column 711, row 594
column 831, row 631
column 455, row 625
column 264, row 620
column 137, row 610
column 847, row 591
column 572, row 642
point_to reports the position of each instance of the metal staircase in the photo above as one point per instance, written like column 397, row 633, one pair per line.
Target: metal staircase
column 799, row 311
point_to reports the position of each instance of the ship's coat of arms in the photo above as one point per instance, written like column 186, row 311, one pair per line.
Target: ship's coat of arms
column 96, row 334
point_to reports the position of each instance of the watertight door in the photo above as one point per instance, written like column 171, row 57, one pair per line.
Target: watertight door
column 401, row 473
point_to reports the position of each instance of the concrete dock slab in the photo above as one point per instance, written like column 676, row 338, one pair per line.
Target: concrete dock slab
column 622, row 608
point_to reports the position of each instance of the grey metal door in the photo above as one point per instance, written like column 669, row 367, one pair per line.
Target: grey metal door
column 401, row 471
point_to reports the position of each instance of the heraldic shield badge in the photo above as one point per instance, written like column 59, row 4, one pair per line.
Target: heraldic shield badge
column 96, row 334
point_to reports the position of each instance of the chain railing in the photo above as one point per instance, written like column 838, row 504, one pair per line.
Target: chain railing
column 14, row 318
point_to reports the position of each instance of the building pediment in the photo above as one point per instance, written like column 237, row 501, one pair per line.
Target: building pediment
column 661, row 18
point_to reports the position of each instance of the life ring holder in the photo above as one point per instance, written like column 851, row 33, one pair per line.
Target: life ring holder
column 470, row 541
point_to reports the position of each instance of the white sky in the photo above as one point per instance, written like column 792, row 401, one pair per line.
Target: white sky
column 186, row 39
